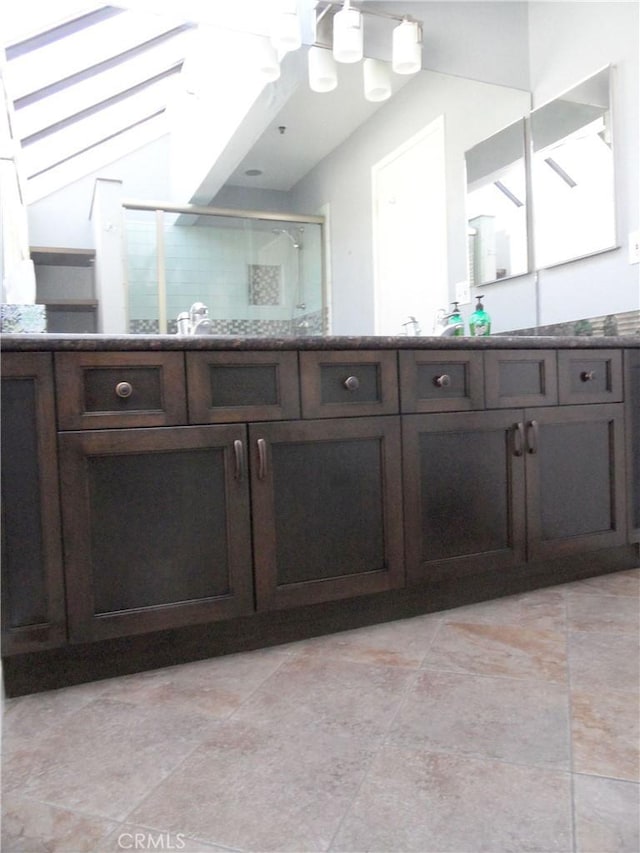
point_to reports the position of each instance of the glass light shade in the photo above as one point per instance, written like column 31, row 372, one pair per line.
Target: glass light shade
column 377, row 83
column 407, row 48
column 286, row 34
column 267, row 59
column 323, row 72
column 347, row 35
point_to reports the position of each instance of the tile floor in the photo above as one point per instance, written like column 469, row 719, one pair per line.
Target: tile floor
column 510, row 725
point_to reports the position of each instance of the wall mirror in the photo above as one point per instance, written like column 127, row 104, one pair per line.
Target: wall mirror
column 572, row 173
column 497, row 206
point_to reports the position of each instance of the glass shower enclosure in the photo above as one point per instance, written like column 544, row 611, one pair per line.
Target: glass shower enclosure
column 259, row 274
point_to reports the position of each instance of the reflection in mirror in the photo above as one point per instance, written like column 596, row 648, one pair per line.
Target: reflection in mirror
column 497, row 206
column 572, row 174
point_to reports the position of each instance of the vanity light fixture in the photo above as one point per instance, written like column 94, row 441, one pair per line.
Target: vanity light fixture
column 348, row 41
column 286, row 35
column 407, row 47
column 377, row 82
column 267, row 59
column 323, row 71
column 339, row 29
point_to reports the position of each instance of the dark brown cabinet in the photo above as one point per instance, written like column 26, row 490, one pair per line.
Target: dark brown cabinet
column 575, row 479
column 327, row 517
column 210, row 499
column 464, row 484
column 632, row 395
column 491, row 489
column 156, row 528
column 33, row 608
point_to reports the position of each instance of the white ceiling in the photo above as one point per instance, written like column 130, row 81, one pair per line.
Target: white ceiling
column 89, row 81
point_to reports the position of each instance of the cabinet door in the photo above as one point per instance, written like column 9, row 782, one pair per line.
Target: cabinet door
column 632, row 394
column 575, row 479
column 327, row 517
column 464, row 493
column 156, row 526
column 33, row 612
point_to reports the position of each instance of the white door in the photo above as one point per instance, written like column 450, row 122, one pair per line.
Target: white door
column 410, row 233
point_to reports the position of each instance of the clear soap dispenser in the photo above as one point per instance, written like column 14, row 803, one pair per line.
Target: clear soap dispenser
column 479, row 321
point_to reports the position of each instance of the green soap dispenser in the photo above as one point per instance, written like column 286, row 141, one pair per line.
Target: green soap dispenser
column 455, row 318
column 480, row 321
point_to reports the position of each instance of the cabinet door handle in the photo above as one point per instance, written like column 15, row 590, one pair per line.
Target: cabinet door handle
column 532, row 437
column 262, row 458
column 124, row 390
column 588, row 375
column 238, row 452
column 518, row 439
column 351, row 383
column 442, row 381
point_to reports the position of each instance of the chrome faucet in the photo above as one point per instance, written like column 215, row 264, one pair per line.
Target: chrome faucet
column 414, row 324
column 195, row 321
column 442, row 328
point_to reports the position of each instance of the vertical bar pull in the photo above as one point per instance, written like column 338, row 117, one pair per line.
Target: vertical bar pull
column 518, row 439
column 262, row 458
column 532, row 437
column 238, row 452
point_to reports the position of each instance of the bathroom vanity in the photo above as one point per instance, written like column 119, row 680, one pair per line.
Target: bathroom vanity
column 169, row 498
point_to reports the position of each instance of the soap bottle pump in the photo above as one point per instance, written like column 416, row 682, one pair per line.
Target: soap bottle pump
column 455, row 318
column 480, row 321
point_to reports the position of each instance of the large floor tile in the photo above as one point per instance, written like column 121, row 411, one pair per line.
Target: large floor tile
column 338, row 697
column 618, row 583
column 257, row 788
column 418, row 801
column 606, row 734
column 604, row 661
column 110, row 754
column 603, row 614
column 216, row 687
column 400, row 643
column 607, row 815
column 524, row 722
column 32, row 827
column 494, row 649
column 544, row 609
column 29, row 716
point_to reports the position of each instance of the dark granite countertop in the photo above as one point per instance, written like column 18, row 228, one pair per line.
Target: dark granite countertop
column 140, row 343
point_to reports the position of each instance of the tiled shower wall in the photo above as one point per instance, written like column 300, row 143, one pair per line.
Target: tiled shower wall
column 246, row 276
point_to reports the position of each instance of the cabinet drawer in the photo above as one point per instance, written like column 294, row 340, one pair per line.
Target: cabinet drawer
column 440, row 381
column 114, row 389
column 520, row 378
column 337, row 384
column 590, row 377
column 224, row 387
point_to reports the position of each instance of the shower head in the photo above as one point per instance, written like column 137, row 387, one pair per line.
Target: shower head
column 294, row 242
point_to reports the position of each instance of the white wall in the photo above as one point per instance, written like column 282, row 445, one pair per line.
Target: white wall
column 62, row 219
column 472, row 111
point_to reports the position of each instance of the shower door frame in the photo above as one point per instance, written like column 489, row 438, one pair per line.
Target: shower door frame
column 160, row 208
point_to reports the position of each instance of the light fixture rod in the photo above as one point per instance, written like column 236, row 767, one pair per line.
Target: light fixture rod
column 376, row 14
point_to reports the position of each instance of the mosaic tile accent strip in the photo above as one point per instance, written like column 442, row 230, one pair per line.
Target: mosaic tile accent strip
column 625, row 323
column 264, row 284
column 23, row 318
column 144, row 327
column 313, row 323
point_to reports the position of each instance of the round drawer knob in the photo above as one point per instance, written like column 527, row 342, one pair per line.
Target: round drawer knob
column 124, row 390
column 588, row 375
column 442, row 381
column 352, row 383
